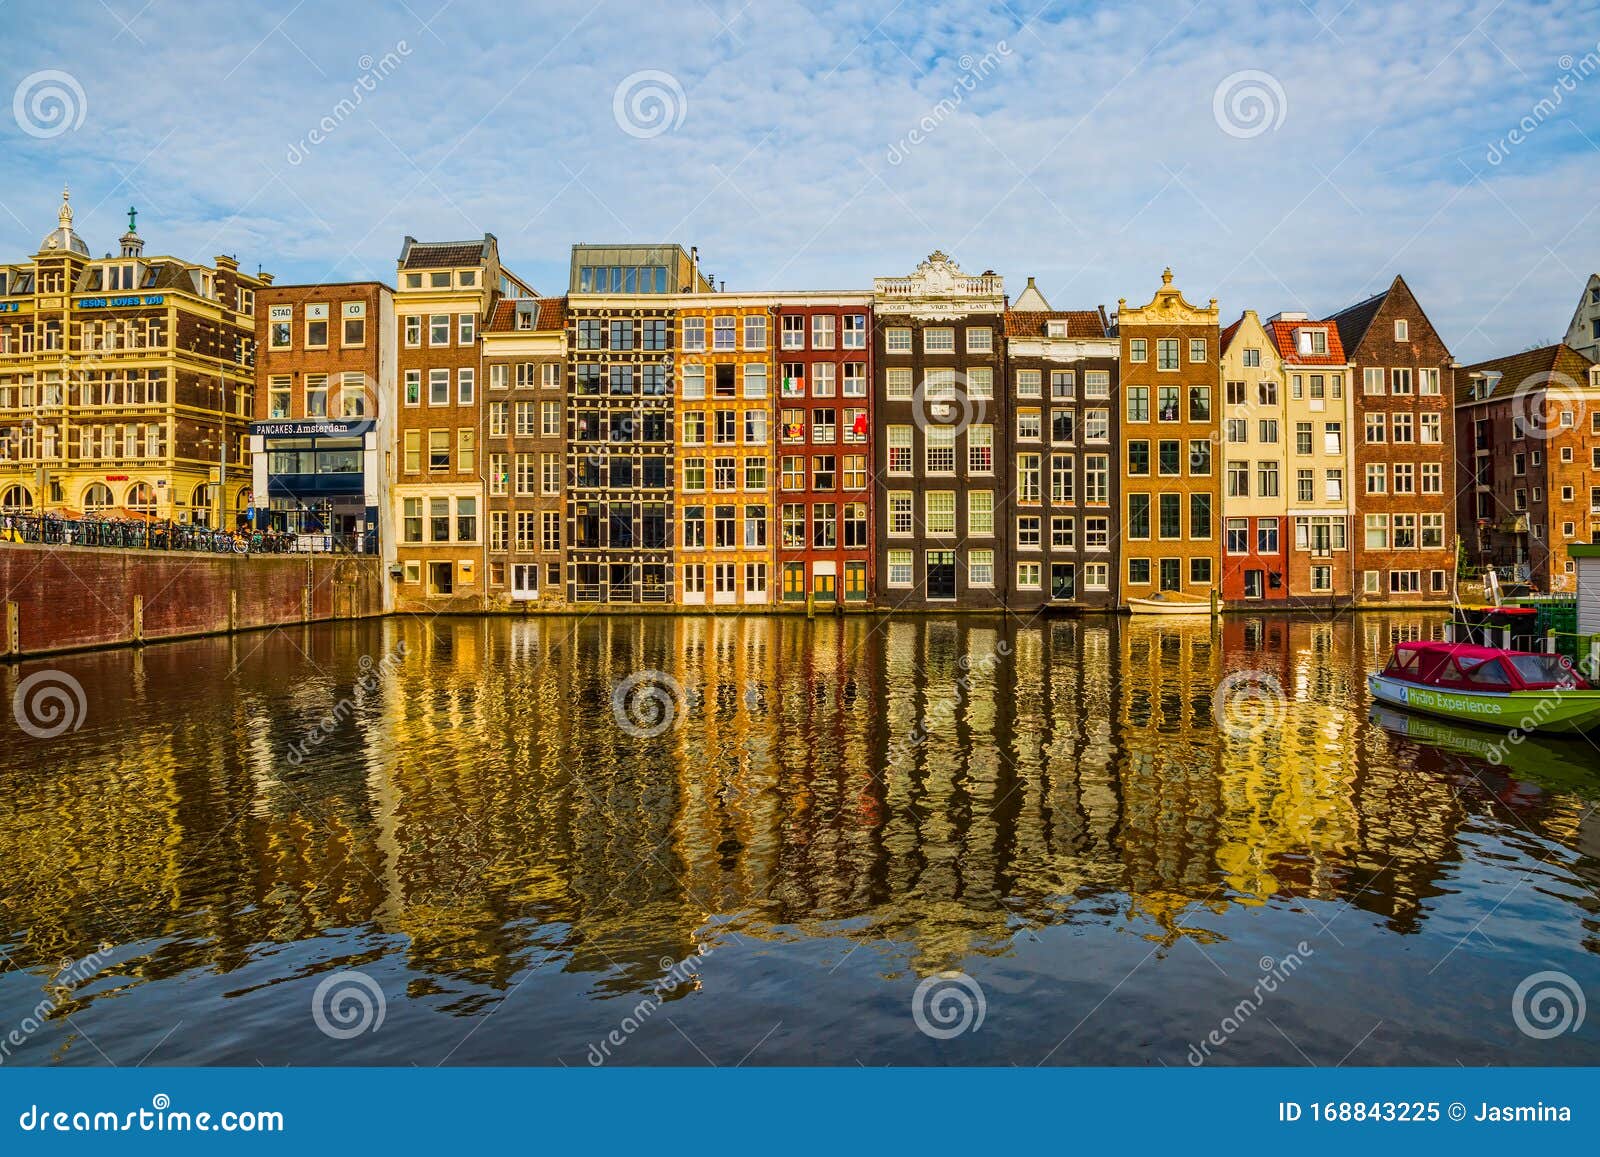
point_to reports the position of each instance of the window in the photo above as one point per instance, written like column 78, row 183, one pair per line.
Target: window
column 438, row 520
column 466, row 519
column 940, row 449
column 900, row 564
column 980, row 339
column 1138, row 403
column 854, row 331
column 694, row 382
column 1266, row 536
column 1030, row 425
column 1138, row 350
column 1377, row 532
column 1029, row 482
column 316, row 327
column 900, row 514
column 465, row 384
column 1139, row 458
column 1404, row 478
column 1167, row 402
column 1403, row 425
column 793, row 332
column 438, row 387
column 1333, row 438
column 940, row 511
column 1236, row 393
column 1029, row 383
column 896, row 340
column 1097, row 479
column 1238, row 479
column 1334, row 485
column 1197, row 349
column 1199, row 403
column 822, row 331
column 1237, row 532
column 1028, row 576
column 1166, row 353
column 316, row 395
column 412, row 508
column 980, row 513
column 1377, row 478
column 413, row 452
column 1063, row 384
column 1400, row 381
column 980, row 568
column 466, row 328
column 980, row 449
column 694, row 334
column 938, row 340
column 438, row 329
column 1401, row 330
column 1376, row 427
column 900, row 461
column 897, row 385
column 1061, row 478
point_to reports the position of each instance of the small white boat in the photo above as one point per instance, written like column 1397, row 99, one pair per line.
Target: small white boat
column 1166, row 604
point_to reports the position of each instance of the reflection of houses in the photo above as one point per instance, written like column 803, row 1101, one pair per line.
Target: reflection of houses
column 126, row 382
column 323, row 436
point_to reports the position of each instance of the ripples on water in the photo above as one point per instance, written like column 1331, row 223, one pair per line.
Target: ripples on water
column 843, row 809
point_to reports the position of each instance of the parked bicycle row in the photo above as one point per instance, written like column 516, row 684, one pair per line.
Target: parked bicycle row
column 149, row 535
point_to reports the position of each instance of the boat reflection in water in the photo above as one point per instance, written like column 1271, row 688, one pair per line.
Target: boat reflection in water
column 766, row 833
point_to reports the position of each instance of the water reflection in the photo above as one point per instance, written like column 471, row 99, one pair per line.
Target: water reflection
column 842, row 807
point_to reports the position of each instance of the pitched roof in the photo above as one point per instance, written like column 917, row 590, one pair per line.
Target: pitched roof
column 443, row 254
column 1227, row 334
column 1528, row 369
column 1033, row 323
column 550, row 314
column 1354, row 321
column 1282, row 333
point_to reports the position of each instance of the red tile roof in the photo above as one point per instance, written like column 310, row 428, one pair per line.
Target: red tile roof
column 1283, row 334
column 1032, row 323
column 552, row 314
column 1227, row 334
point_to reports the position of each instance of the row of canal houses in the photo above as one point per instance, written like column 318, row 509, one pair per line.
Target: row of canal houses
column 648, row 438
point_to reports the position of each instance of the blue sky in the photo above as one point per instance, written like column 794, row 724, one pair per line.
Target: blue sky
column 1088, row 148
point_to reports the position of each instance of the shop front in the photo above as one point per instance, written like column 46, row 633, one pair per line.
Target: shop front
column 319, row 480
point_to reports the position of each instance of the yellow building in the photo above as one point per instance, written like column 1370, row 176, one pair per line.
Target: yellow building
column 724, row 477
column 126, row 382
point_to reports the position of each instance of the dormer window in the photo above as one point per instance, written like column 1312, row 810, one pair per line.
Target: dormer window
column 1056, row 328
column 524, row 320
column 468, row 278
column 1313, row 341
column 439, row 280
column 121, row 277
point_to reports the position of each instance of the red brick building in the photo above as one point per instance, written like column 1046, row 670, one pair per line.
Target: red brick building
column 823, row 350
column 1403, row 388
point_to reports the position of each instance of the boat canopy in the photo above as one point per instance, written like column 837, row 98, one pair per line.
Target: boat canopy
column 1472, row 667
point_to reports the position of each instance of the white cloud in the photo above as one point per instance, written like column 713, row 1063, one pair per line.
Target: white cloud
column 1087, row 156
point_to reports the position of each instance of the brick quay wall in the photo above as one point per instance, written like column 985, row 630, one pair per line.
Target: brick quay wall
column 66, row 598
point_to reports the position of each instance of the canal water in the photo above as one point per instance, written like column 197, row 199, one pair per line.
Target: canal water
column 740, row 840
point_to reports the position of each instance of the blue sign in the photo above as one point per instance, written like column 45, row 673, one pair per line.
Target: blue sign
column 10, row 306
column 116, row 302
